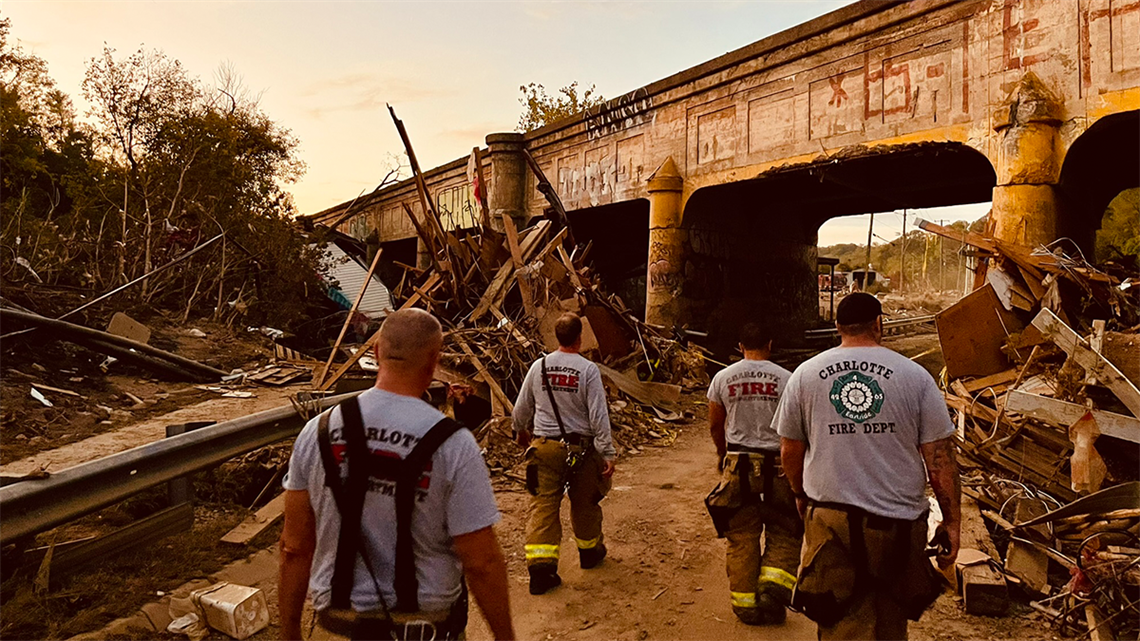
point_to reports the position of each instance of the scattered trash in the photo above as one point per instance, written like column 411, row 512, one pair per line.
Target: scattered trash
column 235, row 610
column 41, row 398
column 1047, row 406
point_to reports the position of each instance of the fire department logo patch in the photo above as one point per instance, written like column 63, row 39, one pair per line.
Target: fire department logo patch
column 856, row 396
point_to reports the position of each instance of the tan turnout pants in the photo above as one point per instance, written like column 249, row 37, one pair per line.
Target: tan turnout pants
column 752, row 569
column 587, row 488
column 872, row 613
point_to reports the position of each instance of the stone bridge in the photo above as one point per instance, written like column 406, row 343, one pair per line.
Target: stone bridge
column 704, row 192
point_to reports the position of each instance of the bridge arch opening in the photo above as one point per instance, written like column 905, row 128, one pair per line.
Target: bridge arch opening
column 619, row 233
column 1100, row 164
column 753, row 244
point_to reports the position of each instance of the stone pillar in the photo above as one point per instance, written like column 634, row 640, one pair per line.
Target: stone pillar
column 1028, row 164
column 668, row 243
column 507, row 193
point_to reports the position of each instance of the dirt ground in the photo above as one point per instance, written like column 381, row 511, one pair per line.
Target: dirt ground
column 93, row 401
column 664, row 577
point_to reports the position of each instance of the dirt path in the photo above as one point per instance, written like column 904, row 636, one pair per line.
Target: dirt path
column 665, row 578
column 152, row 429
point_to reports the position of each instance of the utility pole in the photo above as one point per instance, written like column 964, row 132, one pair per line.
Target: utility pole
column 867, row 269
column 902, row 257
column 941, row 259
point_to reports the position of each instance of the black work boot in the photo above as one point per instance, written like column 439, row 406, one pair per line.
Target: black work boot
column 590, row 558
column 770, row 610
column 747, row 616
column 543, row 578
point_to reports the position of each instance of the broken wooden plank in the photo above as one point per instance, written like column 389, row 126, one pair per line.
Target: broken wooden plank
column 993, row 380
column 516, row 258
column 484, row 375
column 1095, row 364
column 351, row 313
column 971, row 333
column 257, row 522
column 1099, row 628
column 497, row 290
column 660, row 395
column 1063, row 414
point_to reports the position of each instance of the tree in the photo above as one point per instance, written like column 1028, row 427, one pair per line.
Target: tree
column 1119, row 233
column 540, row 109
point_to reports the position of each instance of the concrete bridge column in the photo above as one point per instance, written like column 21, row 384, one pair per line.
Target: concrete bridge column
column 668, row 243
column 507, row 193
column 1028, row 164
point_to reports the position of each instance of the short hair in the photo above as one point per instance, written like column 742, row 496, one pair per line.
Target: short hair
column 409, row 339
column 855, row 329
column 568, row 329
column 858, row 308
column 755, row 336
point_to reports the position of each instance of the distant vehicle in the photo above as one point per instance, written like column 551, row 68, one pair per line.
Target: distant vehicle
column 829, row 283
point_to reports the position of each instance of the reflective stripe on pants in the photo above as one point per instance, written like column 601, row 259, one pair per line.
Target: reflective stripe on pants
column 587, row 544
column 743, row 599
column 587, row 488
column 778, row 576
column 541, row 551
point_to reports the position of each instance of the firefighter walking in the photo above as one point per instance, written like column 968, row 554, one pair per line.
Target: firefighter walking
column 562, row 418
column 753, row 497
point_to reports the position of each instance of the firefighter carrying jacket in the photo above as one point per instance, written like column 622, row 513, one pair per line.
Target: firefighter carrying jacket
column 863, row 428
column 563, row 403
column 753, row 497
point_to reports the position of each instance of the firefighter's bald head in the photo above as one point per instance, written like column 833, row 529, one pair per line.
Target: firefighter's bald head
column 410, row 341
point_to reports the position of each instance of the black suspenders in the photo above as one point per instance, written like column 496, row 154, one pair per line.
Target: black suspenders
column 349, row 494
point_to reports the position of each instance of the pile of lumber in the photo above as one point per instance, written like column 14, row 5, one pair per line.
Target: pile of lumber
column 1042, row 375
column 498, row 291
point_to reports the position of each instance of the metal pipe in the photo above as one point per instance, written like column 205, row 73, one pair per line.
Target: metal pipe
column 34, row 506
column 99, row 340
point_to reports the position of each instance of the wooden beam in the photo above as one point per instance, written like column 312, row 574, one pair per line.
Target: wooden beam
column 351, row 313
column 257, row 522
column 1095, row 364
column 483, row 187
column 1064, row 414
column 485, row 376
column 516, row 258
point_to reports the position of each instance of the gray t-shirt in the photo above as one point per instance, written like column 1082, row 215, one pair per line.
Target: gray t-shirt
column 749, row 390
column 581, row 399
column 864, row 412
column 454, row 497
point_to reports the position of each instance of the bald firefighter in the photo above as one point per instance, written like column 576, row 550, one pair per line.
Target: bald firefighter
column 753, row 497
column 563, row 404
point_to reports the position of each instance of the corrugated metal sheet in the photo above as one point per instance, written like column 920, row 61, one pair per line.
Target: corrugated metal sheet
column 350, row 274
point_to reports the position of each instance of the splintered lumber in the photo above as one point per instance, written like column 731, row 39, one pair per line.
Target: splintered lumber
column 497, row 392
column 1118, row 497
column 257, row 522
column 498, row 288
column 351, row 313
column 660, row 395
column 1078, row 349
column 993, row 380
column 971, row 334
column 352, row 360
column 1099, row 629
column 119, row 347
column 982, row 586
column 516, row 258
column 547, row 190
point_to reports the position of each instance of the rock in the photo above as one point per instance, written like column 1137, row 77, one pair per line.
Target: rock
column 21, row 437
column 196, row 333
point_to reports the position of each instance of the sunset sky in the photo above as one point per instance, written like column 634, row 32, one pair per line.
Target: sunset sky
column 452, row 70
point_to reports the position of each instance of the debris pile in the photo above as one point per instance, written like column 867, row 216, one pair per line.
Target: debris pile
column 1042, row 373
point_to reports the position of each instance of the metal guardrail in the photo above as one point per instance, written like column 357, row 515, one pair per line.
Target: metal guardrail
column 33, row 506
column 888, row 326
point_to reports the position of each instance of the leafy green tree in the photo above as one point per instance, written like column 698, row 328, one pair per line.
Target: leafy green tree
column 540, row 109
column 1119, row 233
